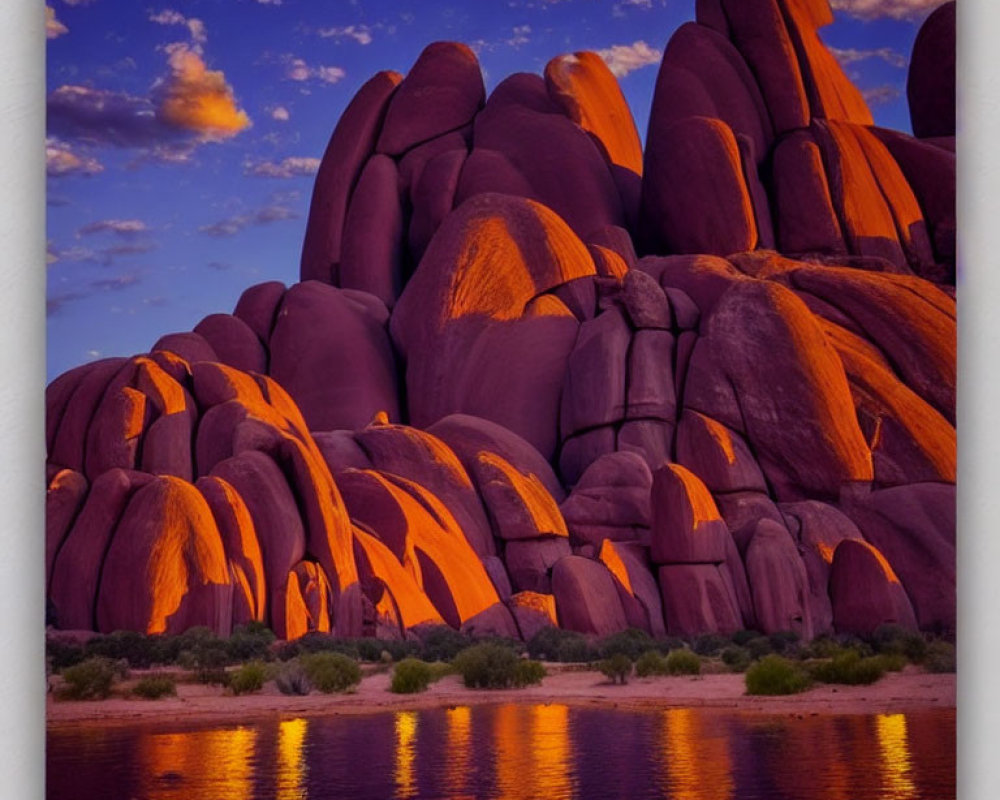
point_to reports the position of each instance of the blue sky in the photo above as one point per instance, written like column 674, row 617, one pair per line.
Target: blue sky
column 182, row 138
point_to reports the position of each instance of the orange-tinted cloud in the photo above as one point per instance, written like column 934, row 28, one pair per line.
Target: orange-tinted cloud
column 61, row 160
column 198, row 99
column 53, row 27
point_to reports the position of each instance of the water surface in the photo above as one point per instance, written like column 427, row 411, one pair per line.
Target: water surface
column 513, row 751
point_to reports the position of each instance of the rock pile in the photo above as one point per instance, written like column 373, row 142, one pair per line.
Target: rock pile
column 534, row 376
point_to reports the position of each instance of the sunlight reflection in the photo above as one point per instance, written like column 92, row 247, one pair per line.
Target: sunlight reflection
column 200, row 765
column 291, row 759
column 696, row 763
column 551, row 747
column 896, row 763
column 406, row 753
column 459, row 721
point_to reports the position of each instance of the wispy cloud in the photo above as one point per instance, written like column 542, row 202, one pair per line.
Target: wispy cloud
column 53, row 27
column 880, row 95
column 625, row 58
column 127, row 228
column 520, row 36
column 896, row 9
column 291, row 167
column 170, row 17
column 362, row 34
column 619, row 8
column 852, row 55
column 296, row 69
column 280, row 113
column 263, row 216
column 60, row 160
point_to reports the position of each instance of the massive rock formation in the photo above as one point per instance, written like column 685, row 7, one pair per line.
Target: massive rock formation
column 533, row 376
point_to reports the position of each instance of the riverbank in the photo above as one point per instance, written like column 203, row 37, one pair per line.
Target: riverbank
column 910, row 690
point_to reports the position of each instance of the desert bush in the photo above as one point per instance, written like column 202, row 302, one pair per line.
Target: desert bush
column 709, row 644
column 740, row 638
column 250, row 642
column 493, row 666
column 775, row 674
column 850, row 668
column 758, row 647
column 897, row 640
column 556, row 644
column 62, row 653
column 292, row 679
column 683, row 662
column 632, row 643
column 650, row 663
column 940, row 657
column 89, row 680
column 134, row 647
column 618, row 667
column 153, row 687
column 784, row 642
column 528, row 672
column 410, row 676
column 248, row 678
column 331, row 672
column 736, row 658
column 441, row 643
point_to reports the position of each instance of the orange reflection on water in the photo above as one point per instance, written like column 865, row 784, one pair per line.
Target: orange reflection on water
column 406, row 753
column 199, row 764
column 696, row 764
column 896, row 762
column 291, row 759
column 459, row 721
column 533, row 752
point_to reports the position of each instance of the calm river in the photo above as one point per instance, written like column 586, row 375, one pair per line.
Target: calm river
column 515, row 751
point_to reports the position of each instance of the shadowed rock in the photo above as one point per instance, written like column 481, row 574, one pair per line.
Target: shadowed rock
column 865, row 592
column 586, row 597
column 930, row 84
column 778, row 581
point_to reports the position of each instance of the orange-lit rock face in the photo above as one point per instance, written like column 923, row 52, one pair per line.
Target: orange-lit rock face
column 489, row 258
column 520, row 505
column 165, row 569
column 865, row 591
column 687, row 527
column 584, row 88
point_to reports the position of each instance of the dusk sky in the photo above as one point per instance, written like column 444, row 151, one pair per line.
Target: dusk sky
column 183, row 138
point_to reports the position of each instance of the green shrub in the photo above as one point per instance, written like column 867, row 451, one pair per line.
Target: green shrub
column 248, row 678
column 410, row 676
column 758, row 647
column 89, row 680
column 709, row 644
column 850, row 668
column 736, row 658
column 784, row 642
column 632, row 643
column 528, row 673
column 618, row 667
column 62, row 653
column 891, row 662
column 441, row 643
column 556, row 644
column 940, row 657
column 251, row 641
column 740, row 638
column 493, row 666
column 650, row 663
column 774, row 674
column 331, row 672
column 440, row 669
column 153, row 687
column 821, row 647
column 292, row 679
column 683, row 662
column 897, row 640
column 134, row 647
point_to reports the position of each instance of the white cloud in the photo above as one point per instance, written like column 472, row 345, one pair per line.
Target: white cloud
column 896, row 9
column 280, row 113
column 195, row 26
column 61, row 160
column 618, row 9
column 362, row 34
column 520, row 36
column 121, row 227
column 233, row 225
column 880, row 95
column 297, row 69
column 852, row 55
column 625, row 58
column 53, row 27
column 291, row 167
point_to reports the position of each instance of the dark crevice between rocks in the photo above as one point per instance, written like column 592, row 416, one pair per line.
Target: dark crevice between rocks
column 98, row 584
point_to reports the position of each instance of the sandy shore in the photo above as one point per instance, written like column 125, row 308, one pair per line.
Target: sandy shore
column 910, row 690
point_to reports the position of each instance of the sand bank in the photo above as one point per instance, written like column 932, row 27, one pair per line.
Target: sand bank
column 910, row 690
